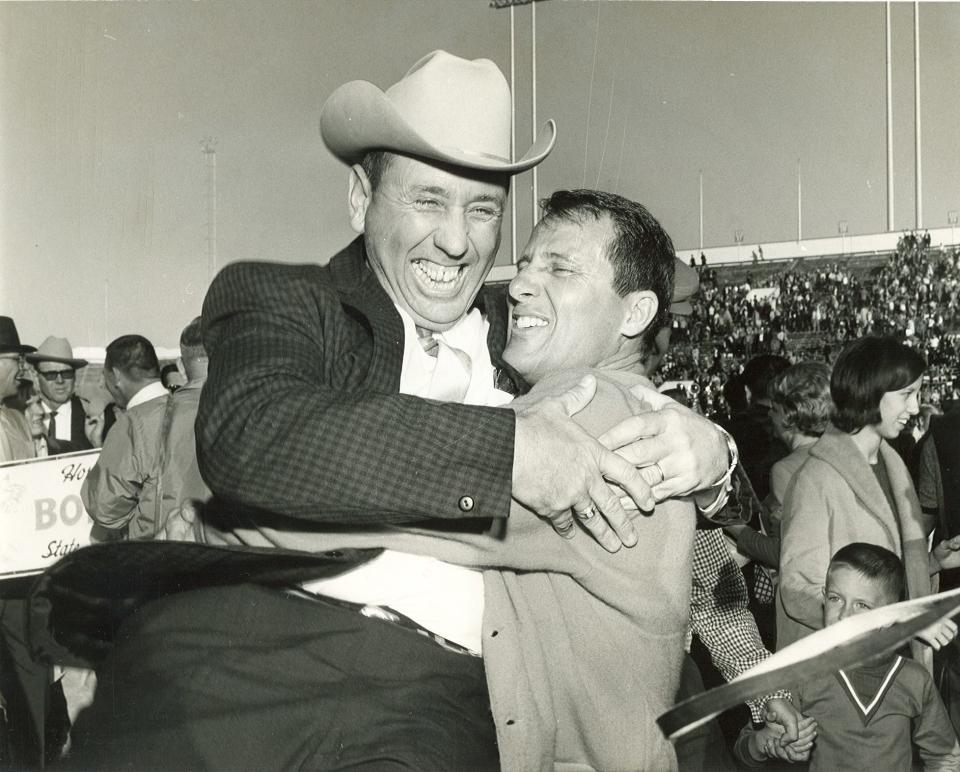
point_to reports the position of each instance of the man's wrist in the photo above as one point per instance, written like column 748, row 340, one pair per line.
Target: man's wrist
column 717, row 493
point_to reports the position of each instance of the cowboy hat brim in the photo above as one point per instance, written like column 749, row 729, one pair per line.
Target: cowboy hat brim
column 9, row 349
column 37, row 358
column 358, row 117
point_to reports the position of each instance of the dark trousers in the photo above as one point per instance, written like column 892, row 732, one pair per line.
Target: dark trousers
column 250, row 678
column 704, row 749
column 36, row 715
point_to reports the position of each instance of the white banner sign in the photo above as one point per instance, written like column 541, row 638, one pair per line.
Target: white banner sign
column 41, row 515
column 763, row 293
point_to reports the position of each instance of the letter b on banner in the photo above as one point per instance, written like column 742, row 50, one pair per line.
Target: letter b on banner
column 46, row 513
column 70, row 510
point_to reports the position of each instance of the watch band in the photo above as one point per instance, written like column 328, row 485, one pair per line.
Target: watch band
column 725, row 482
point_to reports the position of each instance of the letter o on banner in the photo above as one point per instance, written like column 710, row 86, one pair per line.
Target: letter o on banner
column 71, row 509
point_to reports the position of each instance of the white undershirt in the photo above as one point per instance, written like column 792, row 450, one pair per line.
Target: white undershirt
column 443, row 598
column 64, row 416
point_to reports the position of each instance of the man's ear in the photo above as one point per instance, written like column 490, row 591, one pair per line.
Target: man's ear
column 359, row 193
column 642, row 307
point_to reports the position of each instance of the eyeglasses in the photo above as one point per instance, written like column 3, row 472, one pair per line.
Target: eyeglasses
column 59, row 375
column 18, row 358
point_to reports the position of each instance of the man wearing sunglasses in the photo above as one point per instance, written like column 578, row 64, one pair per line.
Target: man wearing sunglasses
column 64, row 418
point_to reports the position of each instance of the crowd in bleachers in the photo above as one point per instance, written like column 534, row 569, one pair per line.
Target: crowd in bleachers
column 811, row 309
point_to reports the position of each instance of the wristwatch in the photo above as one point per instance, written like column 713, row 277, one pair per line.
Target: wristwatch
column 726, row 480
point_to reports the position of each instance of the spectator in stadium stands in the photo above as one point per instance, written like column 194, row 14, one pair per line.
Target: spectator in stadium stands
column 320, row 355
column 939, row 493
column 854, row 487
column 32, row 712
column 148, row 466
column 800, row 411
column 16, row 441
column 753, row 429
column 131, row 372
column 27, row 401
column 64, row 418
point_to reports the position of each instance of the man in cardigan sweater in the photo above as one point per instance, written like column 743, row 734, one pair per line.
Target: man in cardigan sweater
column 301, row 422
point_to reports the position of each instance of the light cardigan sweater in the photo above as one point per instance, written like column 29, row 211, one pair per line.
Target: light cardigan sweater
column 834, row 500
column 582, row 647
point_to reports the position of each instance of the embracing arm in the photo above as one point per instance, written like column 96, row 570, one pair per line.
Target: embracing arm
column 695, row 455
column 300, row 415
column 719, row 616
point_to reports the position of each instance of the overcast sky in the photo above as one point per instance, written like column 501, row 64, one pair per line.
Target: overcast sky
column 103, row 107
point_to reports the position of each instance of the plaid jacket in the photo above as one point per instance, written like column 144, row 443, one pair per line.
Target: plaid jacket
column 301, row 416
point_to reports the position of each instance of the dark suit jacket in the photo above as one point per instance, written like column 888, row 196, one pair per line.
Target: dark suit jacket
column 301, row 416
column 78, row 438
column 300, row 420
column 78, row 417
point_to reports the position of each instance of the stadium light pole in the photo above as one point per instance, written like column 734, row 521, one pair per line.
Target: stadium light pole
column 701, row 210
column 799, row 205
column 533, row 102
column 916, row 111
column 513, row 135
column 738, row 237
column 889, row 129
column 952, row 218
column 842, row 230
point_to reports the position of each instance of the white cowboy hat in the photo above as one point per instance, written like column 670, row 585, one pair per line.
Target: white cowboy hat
column 56, row 350
column 444, row 109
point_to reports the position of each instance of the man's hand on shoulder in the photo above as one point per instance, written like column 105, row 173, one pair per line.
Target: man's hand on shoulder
column 559, row 471
column 691, row 451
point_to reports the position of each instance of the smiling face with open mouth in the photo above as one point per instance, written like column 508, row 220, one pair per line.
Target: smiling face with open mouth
column 897, row 408
column 431, row 235
column 565, row 312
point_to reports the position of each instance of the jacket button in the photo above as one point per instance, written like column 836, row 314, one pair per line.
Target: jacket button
column 465, row 503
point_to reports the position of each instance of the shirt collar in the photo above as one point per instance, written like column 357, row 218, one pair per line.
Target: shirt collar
column 152, row 390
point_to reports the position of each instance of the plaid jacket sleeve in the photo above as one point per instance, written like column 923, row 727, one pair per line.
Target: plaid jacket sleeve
column 300, row 416
column 719, row 616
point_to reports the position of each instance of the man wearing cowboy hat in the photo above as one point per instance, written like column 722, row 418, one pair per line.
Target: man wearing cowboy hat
column 331, row 402
column 64, row 418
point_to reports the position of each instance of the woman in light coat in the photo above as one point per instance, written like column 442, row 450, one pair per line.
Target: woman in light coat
column 854, row 487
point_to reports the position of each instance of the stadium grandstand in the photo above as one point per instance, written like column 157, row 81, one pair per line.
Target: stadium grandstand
column 806, row 300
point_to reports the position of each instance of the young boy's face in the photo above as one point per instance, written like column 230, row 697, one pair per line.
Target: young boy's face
column 848, row 592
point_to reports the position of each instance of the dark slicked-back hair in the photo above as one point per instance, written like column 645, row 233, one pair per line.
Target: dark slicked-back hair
column 640, row 251
column 865, row 370
column 759, row 372
column 876, row 563
column 133, row 355
column 803, row 393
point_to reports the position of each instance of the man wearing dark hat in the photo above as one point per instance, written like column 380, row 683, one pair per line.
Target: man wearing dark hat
column 331, row 401
column 25, row 685
column 64, row 418
column 15, row 438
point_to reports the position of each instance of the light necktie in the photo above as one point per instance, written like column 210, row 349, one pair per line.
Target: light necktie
column 427, row 341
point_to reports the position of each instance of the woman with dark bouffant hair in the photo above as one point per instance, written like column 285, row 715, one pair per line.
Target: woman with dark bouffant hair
column 855, row 488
